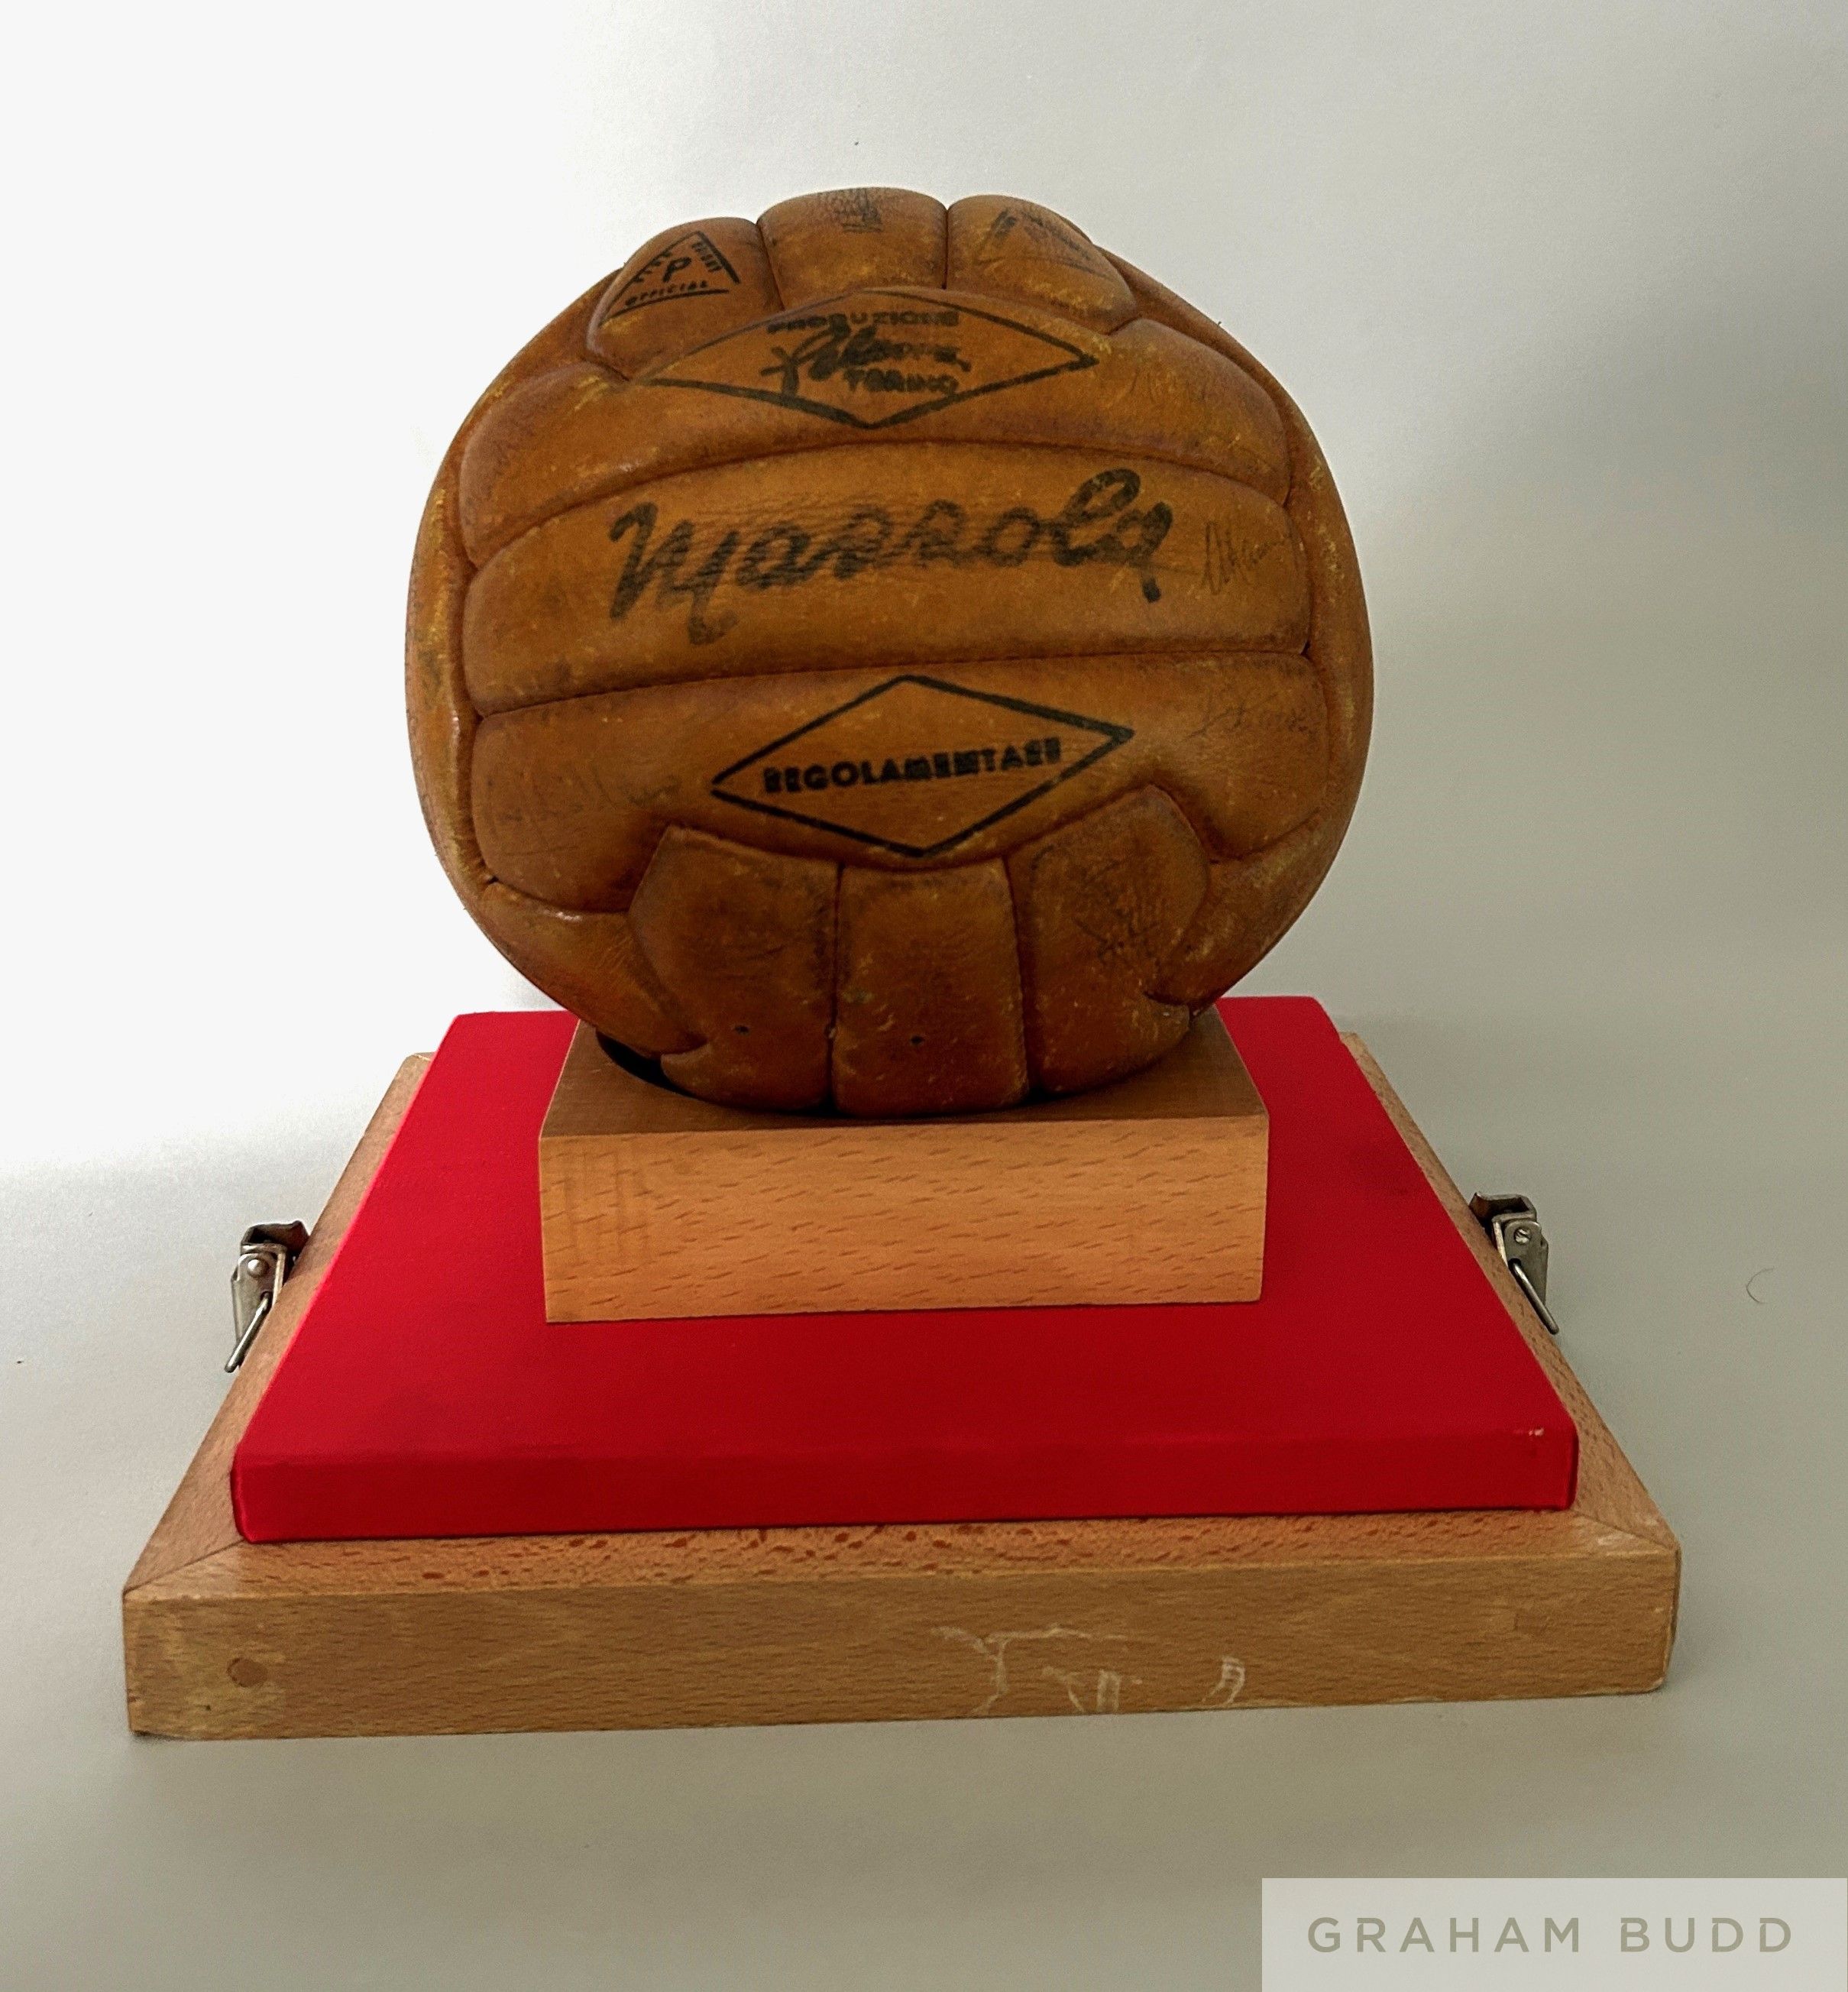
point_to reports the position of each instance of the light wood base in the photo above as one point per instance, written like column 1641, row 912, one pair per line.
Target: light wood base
column 656, row 1205
column 223, row 1638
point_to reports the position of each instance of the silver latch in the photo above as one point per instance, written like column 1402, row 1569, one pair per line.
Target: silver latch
column 1513, row 1225
column 265, row 1252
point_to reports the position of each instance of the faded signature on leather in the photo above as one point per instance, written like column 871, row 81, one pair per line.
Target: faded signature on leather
column 1043, row 237
column 854, row 210
column 697, row 563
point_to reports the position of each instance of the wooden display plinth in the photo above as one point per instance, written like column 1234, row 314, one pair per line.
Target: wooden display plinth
column 223, row 1638
column 653, row 1204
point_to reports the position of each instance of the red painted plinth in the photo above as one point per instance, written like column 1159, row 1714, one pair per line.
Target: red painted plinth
column 426, row 1394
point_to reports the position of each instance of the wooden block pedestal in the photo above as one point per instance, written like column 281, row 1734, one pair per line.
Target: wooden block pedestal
column 653, row 1204
column 223, row 1638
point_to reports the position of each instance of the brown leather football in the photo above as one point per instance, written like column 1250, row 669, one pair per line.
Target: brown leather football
column 886, row 656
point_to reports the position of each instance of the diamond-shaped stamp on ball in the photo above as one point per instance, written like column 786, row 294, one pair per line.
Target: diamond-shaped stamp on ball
column 874, row 358
column 915, row 765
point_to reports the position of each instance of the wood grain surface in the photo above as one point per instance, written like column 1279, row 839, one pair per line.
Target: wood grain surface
column 227, row 1638
column 654, row 1204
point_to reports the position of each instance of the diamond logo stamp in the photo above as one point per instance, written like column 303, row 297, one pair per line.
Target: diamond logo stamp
column 916, row 765
column 874, row 358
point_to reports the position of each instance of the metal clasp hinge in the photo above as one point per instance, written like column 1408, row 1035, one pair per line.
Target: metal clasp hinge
column 1513, row 1225
column 265, row 1252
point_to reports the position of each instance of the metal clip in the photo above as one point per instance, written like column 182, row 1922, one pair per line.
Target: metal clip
column 1513, row 1225
column 265, row 1252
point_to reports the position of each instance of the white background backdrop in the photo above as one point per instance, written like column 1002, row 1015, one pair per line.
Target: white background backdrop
column 1561, row 287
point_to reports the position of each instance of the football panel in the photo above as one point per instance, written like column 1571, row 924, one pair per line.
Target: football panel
column 743, row 942
column 685, row 284
column 921, row 556
column 1225, row 944
column 1101, row 904
column 1340, row 641
column 1250, row 904
column 927, row 1012
column 810, row 380
column 1017, row 249
column 891, row 770
column 589, row 962
column 821, row 244
column 441, row 719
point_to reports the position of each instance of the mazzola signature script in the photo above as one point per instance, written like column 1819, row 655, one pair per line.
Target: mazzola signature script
column 1100, row 523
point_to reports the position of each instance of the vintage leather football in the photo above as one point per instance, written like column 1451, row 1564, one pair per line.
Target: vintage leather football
column 887, row 656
